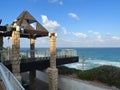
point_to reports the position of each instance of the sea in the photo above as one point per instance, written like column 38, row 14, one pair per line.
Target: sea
column 93, row 57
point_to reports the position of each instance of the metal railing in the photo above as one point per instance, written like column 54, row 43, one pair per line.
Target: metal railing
column 46, row 53
column 10, row 82
column 24, row 54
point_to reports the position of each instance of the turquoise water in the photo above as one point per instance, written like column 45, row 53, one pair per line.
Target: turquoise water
column 94, row 57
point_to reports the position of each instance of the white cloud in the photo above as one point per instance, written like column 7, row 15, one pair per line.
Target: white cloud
column 90, row 31
column 80, row 35
column 115, row 38
column 73, row 15
column 64, row 31
column 61, row 3
column 34, row 25
column 53, row 1
column 97, row 35
column 53, row 26
column 50, row 24
column 108, row 34
column 56, row 1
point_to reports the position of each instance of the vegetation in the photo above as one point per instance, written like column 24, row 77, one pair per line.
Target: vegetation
column 67, row 71
column 109, row 75
column 24, row 57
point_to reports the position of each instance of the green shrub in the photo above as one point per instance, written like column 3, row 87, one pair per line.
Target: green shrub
column 105, row 74
column 24, row 57
column 66, row 71
column 87, row 75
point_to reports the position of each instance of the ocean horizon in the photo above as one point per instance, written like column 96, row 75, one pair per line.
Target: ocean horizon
column 94, row 57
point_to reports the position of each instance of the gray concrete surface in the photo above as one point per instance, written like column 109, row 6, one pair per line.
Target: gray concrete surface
column 40, row 85
column 67, row 83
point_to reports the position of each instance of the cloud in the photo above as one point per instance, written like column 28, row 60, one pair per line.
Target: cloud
column 97, row 35
column 115, row 38
column 80, row 35
column 53, row 26
column 73, row 15
column 61, row 3
column 50, row 24
column 42, row 42
column 53, row 1
column 64, row 31
column 56, row 1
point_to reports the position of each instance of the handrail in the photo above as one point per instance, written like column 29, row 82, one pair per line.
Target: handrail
column 46, row 53
column 5, row 79
column 9, row 79
column 6, row 55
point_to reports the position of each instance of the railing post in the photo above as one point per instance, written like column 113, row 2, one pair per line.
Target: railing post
column 53, row 71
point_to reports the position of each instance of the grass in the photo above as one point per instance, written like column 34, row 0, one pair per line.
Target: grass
column 109, row 75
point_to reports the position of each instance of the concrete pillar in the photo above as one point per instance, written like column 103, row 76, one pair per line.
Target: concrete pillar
column 53, row 71
column 15, row 54
column 1, row 46
column 32, row 74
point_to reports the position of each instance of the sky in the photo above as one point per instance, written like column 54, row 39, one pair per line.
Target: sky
column 78, row 23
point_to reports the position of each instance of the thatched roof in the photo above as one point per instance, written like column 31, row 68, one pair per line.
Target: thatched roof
column 25, row 19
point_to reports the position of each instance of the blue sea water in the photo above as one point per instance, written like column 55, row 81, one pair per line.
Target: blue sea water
column 94, row 57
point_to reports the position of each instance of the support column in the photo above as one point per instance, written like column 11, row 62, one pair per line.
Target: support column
column 1, row 42
column 53, row 71
column 32, row 74
column 15, row 54
column 1, row 46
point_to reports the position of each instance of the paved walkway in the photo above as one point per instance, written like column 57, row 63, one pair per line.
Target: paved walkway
column 40, row 85
column 68, row 83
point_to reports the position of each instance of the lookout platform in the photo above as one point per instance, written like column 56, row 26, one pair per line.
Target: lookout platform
column 41, row 60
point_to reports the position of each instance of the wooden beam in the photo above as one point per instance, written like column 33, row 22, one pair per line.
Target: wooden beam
column 3, row 28
column 0, row 21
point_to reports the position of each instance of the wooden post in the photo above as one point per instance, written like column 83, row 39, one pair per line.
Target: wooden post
column 53, row 71
column 32, row 74
column 1, row 46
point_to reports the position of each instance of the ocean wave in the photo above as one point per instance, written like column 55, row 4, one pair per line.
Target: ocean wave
column 103, row 62
column 92, row 64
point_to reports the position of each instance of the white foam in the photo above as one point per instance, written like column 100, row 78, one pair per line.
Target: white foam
column 74, row 65
column 103, row 62
column 93, row 63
